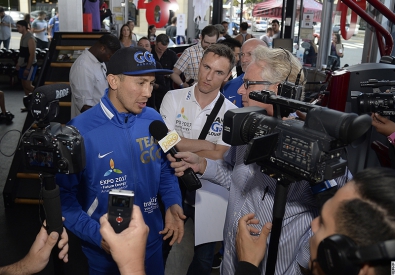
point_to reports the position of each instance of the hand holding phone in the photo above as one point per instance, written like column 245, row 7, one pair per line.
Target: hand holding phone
column 120, row 207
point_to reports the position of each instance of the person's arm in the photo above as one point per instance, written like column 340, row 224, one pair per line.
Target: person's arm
column 175, row 76
column 217, row 171
column 36, row 30
column 77, row 220
column 383, row 125
column 39, row 253
column 128, row 247
column 32, row 51
column 81, row 84
column 180, row 67
column 170, row 193
column 50, row 26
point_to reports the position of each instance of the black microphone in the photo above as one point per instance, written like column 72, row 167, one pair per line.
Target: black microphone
column 44, row 100
column 52, row 207
column 53, row 91
column 159, row 131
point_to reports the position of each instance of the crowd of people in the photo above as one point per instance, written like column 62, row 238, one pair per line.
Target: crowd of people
column 120, row 85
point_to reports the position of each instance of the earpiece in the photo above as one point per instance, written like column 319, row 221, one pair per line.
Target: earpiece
column 339, row 254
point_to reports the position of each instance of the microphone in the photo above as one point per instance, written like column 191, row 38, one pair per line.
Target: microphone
column 167, row 142
column 52, row 92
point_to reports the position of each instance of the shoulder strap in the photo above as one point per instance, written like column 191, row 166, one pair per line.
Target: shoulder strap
column 211, row 117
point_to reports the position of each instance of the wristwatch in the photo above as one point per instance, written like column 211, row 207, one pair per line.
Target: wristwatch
column 391, row 138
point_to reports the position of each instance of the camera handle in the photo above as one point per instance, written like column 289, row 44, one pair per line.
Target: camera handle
column 51, row 202
column 53, row 215
column 284, row 179
column 280, row 200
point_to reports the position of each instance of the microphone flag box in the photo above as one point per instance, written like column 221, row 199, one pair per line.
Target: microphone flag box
column 169, row 141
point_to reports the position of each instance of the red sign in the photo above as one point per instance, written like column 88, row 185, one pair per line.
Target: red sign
column 164, row 7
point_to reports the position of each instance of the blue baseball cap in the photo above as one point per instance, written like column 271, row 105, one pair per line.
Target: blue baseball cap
column 133, row 61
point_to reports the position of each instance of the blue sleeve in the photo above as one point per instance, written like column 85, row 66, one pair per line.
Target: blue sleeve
column 168, row 187
column 76, row 220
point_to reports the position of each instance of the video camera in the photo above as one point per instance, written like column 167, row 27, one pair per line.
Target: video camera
column 376, row 102
column 51, row 148
column 300, row 150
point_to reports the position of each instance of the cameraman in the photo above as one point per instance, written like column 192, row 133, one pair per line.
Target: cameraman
column 251, row 191
column 363, row 210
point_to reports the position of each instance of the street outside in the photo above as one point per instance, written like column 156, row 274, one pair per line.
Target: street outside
column 352, row 48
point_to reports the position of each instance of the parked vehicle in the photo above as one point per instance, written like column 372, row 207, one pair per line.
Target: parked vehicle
column 336, row 28
column 233, row 28
column 259, row 25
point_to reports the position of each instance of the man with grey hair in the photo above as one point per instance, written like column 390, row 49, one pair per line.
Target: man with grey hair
column 252, row 191
column 40, row 30
column 231, row 87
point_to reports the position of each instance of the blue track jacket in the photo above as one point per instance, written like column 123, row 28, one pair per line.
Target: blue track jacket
column 120, row 154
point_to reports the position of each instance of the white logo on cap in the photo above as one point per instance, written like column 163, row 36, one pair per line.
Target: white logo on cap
column 141, row 57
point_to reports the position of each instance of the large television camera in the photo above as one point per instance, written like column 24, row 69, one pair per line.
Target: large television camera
column 310, row 150
column 376, row 102
column 51, row 148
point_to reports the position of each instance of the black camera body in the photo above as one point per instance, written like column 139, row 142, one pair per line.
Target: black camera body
column 309, row 149
column 54, row 149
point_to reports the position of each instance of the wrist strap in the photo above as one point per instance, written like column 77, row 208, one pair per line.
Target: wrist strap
column 211, row 117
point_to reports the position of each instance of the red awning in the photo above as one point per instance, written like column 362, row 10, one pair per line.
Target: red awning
column 273, row 9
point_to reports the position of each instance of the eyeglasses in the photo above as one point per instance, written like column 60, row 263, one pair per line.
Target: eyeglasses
column 248, row 83
column 245, row 54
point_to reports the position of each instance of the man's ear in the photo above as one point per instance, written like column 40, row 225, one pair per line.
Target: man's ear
column 112, row 81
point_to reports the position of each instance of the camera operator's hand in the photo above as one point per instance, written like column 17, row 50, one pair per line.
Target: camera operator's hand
column 128, row 247
column 174, row 224
column 300, row 115
column 198, row 164
column 383, row 125
column 250, row 243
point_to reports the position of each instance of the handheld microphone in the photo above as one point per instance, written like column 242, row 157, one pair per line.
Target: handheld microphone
column 159, row 131
column 52, row 207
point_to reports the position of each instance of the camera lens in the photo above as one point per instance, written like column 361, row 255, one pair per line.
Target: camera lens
column 256, row 125
column 375, row 102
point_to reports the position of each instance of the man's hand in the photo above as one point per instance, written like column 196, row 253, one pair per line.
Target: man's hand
column 38, row 256
column 174, row 224
column 128, row 247
column 250, row 245
column 198, row 164
column 383, row 125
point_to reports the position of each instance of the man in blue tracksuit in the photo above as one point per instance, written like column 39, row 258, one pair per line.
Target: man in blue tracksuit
column 122, row 154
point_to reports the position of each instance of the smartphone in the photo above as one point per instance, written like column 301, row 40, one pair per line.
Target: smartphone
column 120, row 207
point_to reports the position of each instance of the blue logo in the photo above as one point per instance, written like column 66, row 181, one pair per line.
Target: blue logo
column 216, row 127
column 141, row 57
